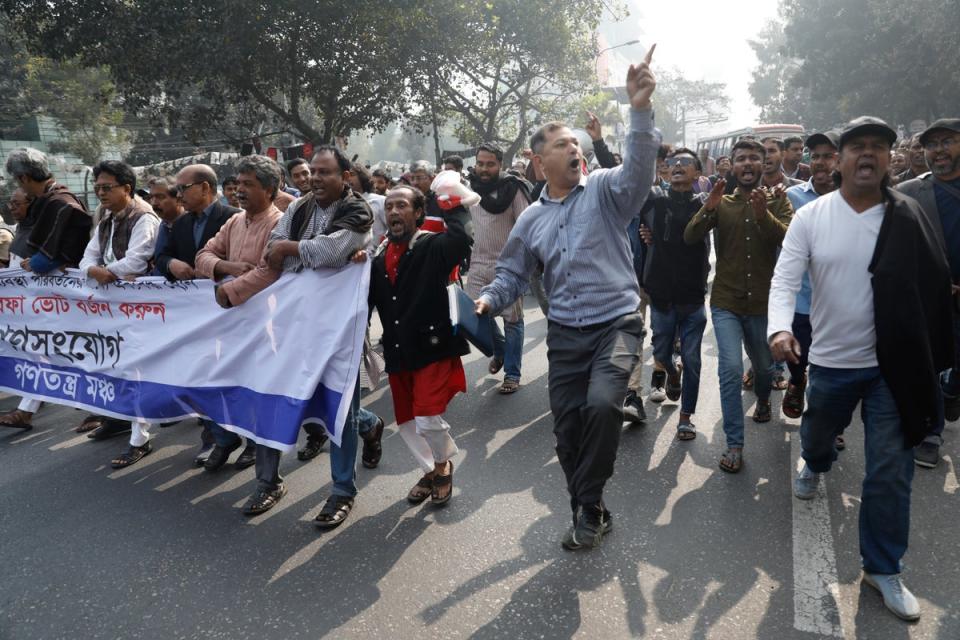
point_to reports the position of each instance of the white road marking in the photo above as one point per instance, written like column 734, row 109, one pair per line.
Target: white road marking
column 950, row 481
column 816, row 591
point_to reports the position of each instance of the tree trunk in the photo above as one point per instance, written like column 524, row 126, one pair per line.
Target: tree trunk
column 436, row 136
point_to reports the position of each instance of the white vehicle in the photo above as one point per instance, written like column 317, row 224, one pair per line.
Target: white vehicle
column 720, row 145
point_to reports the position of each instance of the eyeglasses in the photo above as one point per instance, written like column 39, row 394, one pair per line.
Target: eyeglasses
column 683, row 162
column 933, row 145
column 104, row 188
column 183, row 187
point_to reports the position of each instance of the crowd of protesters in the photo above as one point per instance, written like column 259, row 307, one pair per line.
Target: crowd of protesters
column 844, row 268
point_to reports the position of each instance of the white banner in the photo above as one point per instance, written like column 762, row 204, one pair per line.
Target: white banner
column 161, row 351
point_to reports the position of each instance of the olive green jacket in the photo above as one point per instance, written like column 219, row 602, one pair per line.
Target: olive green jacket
column 746, row 250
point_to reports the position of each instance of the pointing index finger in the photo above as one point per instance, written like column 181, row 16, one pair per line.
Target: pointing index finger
column 649, row 57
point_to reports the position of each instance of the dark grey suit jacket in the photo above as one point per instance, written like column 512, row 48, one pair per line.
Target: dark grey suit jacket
column 921, row 190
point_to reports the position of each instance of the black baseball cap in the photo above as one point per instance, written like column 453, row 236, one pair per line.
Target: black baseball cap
column 950, row 124
column 867, row 125
column 823, row 137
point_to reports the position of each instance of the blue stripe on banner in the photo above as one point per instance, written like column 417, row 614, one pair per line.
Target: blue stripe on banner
column 268, row 418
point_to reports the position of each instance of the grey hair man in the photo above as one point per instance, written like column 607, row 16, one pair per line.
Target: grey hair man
column 61, row 228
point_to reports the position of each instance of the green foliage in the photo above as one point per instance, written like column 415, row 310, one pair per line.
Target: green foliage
column 82, row 99
column 13, row 73
column 321, row 68
column 830, row 61
column 225, row 69
column 498, row 67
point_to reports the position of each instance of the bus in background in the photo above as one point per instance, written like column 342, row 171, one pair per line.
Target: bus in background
column 720, row 145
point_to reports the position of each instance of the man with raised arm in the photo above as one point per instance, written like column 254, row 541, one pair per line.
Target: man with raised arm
column 577, row 230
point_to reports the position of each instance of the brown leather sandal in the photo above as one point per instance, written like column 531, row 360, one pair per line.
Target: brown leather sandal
column 421, row 491
column 90, row 423
column 17, row 419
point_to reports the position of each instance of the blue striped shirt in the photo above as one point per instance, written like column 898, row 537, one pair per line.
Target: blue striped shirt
column 582, row 240
column 801, row 194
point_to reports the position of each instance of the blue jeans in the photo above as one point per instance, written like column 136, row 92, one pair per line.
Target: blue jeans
column 223, row 438
column 690, row 321
column 735, row 333
column 832, row 395
column 343, row 459
column 509, row 348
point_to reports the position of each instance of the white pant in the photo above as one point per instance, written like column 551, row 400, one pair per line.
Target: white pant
column 139, row 433
column 28, row 405
column 428, row 438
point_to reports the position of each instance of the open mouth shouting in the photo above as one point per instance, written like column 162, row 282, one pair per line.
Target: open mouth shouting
column 395, row 222
column 866, row 169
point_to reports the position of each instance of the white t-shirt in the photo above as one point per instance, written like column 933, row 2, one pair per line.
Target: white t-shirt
column 836, row 243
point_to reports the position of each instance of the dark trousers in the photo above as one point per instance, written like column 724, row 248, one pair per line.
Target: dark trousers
column 949, row 381
column 803, row 332
column 588, row 381
column 268, row 468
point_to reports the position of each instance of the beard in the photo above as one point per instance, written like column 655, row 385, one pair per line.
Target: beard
column 948, row 170
column 401, row 238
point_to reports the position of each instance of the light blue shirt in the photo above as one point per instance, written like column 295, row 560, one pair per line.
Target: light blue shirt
column 801, row 194
column 582, row 240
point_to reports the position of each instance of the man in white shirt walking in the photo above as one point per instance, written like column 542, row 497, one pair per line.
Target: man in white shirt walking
column 879, row 278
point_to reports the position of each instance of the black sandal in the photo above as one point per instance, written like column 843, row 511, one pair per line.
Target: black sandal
column 421, row 491
column 133, row 455
column 334, row 512
column 312, row 449
column 442, row 483
column 372, row 447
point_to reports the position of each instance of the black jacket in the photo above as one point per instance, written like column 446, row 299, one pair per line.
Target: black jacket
column 180, row 244
column 912, row 309
column 352, row 213
column 415, row 312
column 673, row 271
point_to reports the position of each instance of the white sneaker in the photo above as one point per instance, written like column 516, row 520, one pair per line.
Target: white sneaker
column 658, row 394
column 895, row 594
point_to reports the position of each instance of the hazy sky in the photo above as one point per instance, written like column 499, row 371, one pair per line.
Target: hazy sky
column 707, row 40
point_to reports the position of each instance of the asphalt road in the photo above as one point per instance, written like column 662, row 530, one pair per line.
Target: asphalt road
column 160, row 550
